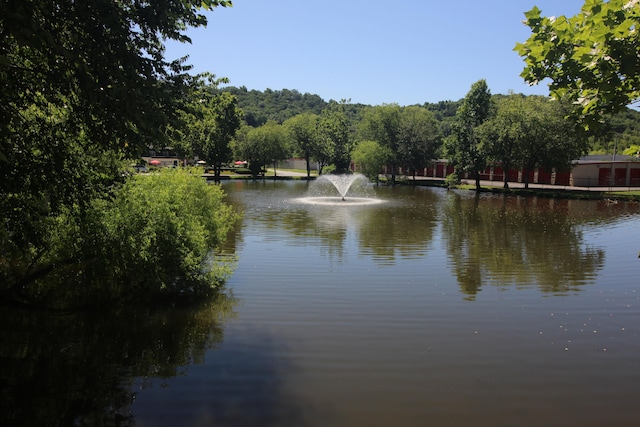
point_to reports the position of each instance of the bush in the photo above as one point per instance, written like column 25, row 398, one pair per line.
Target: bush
column 161, row 230
column 155, row 238
column 452, row 180
column 329, row 169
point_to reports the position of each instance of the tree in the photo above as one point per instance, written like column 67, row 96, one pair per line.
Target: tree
column 152, row 238
column 419, row 138
column 245, row 146
column 462, row 147
column 382, row 124
column 335, row 132
column 215, row 121
column 261, row 146
column 591, row 58
column 159, row 252
column 324, row 151
column 370, row 157
column 500, row 137
column 303, row 131
column 529, row 133
column 84, row 88
column 102, row 60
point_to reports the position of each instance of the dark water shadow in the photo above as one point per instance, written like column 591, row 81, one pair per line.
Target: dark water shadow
column 61, row 369
column 242, row 383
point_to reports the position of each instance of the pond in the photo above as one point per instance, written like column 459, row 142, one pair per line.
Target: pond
column 428, row 307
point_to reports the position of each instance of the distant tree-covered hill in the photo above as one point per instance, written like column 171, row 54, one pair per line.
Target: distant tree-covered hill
column 278, row 105
column 622, row 131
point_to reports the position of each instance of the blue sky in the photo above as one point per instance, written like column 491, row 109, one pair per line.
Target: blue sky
column 370, row 51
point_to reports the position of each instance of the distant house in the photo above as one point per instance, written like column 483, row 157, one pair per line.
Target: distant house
column 165, row 157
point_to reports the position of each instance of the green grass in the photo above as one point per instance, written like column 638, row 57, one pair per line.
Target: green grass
column 634, row 193
column 304, row 171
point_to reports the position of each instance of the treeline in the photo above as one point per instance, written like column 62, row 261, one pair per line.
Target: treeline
column 514, row 131
column 620, row 132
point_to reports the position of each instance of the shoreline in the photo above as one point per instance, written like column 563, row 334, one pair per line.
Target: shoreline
column 515, row 188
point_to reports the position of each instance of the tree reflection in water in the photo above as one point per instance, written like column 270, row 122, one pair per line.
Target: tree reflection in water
column 65, row 368
column 506, row 241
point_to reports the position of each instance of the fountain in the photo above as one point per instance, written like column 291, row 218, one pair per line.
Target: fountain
column 356, row 186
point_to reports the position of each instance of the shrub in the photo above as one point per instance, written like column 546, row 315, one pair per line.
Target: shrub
column 452, row 180
column 160, row 232
column 156, row 237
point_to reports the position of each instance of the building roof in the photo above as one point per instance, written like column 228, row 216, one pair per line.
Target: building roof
column 607, row 158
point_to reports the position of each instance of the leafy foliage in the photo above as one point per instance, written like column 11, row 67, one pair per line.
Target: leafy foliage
column 529, row 133
column 157, row 233
column 382, row 124
column 336, row 135
column 622, row 128
column 618, row 132
column 84, row 86
column 370, row 157
column 211, row 121
column 262, row 145
column 164, row 226
column 452, row 180
column 591, row 58
column 634, row 150
column 419, row 138
column 101, row 60
column 410, row 135
column 276, row 105
column 445, row 113
column 463, row 147
column 303, row 132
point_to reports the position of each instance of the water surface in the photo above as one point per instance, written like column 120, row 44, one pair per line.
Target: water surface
column 429, row 308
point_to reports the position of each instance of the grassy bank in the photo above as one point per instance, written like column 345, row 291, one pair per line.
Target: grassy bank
column 559, row 193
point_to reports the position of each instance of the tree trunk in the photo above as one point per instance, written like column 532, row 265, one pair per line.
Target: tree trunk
column 254, row 167
column 393, row 174
column 505, row 170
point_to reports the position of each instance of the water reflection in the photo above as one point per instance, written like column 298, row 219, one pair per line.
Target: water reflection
column 505, row 241
column 389, row 336
column 355, row 317
column 404, row 229
column 490, row 240
column 80, row 368
column 400, row 228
